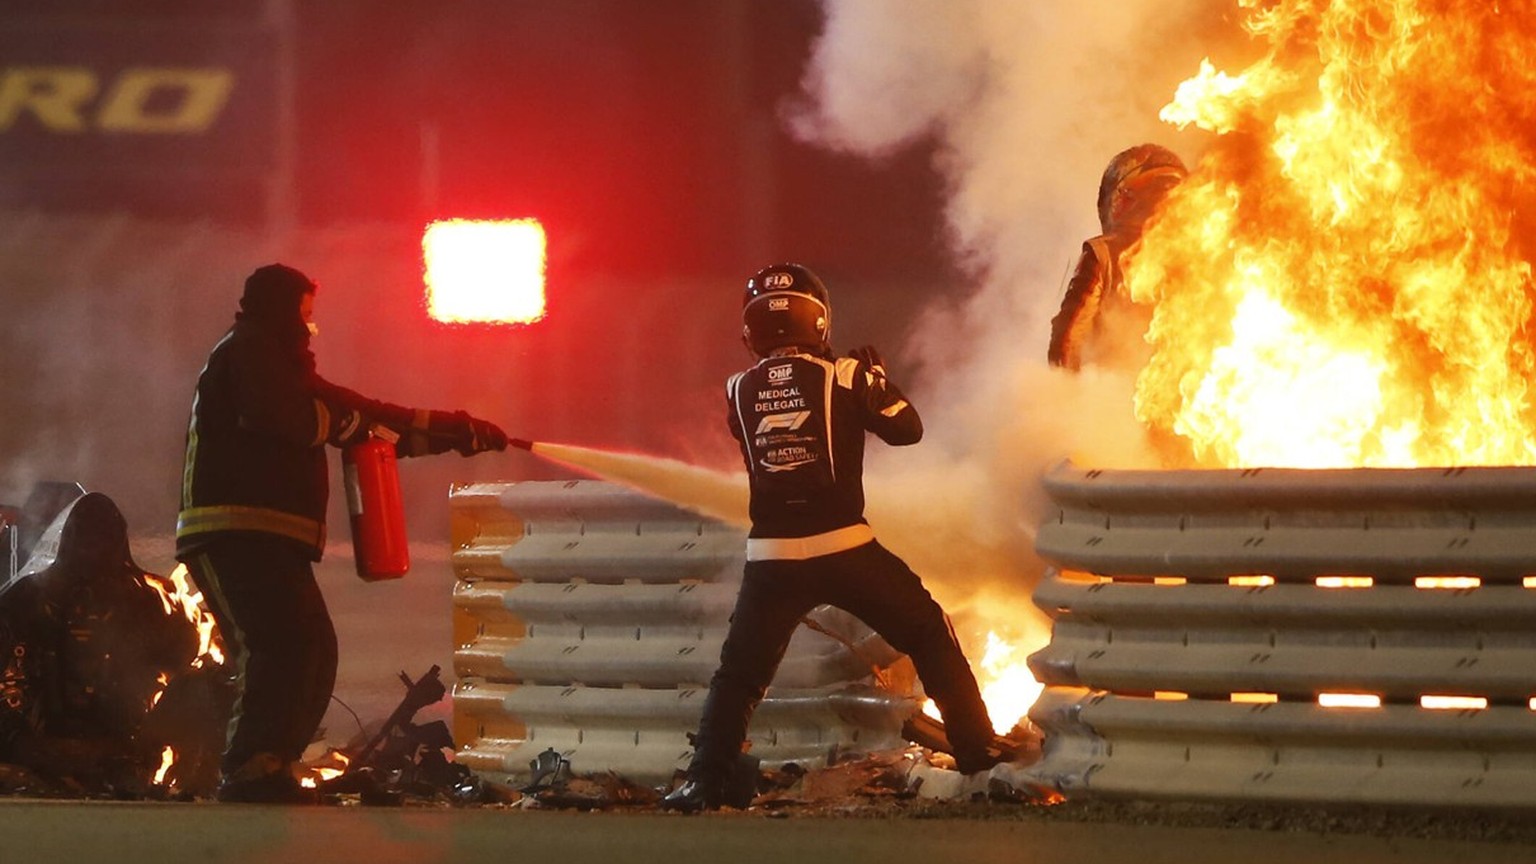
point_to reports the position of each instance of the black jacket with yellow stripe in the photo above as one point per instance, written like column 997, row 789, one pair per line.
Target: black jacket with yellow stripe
column 261, row 418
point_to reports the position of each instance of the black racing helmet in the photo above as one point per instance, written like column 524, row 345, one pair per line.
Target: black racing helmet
column 1134, row 183
column 786, row 306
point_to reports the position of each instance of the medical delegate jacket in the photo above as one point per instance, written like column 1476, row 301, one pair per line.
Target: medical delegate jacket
column 801, row 421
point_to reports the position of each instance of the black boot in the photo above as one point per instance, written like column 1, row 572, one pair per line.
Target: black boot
column 693, row 796
column 264, row 779
column 272, row 789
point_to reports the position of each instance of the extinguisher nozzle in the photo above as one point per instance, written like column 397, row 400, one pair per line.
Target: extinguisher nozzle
column 521, row 444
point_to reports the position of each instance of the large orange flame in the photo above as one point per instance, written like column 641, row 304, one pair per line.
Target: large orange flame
column 1339, row 283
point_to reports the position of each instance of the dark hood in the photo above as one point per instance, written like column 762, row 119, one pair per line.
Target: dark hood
column 271, row 304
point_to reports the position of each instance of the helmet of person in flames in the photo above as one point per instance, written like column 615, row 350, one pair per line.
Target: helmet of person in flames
column 786, row 306
column 1134, row 183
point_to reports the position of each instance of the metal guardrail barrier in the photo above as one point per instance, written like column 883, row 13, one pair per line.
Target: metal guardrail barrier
column 1340, row 636
column 588, row 619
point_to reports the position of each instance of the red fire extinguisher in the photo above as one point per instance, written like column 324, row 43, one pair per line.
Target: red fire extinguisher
column 372, row 477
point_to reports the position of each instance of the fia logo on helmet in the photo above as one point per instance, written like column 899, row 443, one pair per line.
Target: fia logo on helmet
column 778, row 280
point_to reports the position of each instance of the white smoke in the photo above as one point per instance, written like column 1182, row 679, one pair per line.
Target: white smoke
column 1022, row 104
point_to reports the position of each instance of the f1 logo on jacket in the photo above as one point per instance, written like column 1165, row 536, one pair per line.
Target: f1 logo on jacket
column 788, row 421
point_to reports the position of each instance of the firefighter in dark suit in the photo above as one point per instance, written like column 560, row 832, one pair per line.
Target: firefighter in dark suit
column 800, row 415
column 252, row 518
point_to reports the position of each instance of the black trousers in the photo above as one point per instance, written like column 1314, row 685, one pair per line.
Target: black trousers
column 872, row 584
column 278, row 637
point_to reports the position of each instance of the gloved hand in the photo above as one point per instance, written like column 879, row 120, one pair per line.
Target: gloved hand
column 869, row 357
column 472, row 435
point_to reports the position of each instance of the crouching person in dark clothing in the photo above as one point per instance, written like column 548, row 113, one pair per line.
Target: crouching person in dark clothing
column 252, row 518
column 800, row 416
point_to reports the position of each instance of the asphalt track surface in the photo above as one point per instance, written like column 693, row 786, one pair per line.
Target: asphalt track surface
column 171, row 833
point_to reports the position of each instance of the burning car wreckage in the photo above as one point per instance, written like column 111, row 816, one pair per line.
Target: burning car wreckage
column 114, row 684
column 109, row 684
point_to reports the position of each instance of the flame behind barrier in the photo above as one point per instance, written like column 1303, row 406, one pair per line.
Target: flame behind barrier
column 1007, row 686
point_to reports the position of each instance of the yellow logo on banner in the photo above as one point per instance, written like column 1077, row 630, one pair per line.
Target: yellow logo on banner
column 144, row 100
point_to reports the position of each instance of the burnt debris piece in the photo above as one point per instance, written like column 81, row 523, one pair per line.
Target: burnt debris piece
column 404, row 760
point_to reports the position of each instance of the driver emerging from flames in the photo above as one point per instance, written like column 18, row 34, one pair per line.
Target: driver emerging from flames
column 800, row 416
column 1097, row 322
column 252, row 518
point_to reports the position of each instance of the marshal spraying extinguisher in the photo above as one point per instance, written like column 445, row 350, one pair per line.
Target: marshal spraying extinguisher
column 372, row 477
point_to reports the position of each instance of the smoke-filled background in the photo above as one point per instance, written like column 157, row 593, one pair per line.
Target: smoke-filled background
column 935, row 161
column 1019, row 106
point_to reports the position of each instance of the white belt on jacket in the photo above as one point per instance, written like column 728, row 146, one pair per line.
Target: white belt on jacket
column 814, row 546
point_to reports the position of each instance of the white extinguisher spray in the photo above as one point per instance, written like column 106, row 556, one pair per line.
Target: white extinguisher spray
column 372, row 477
